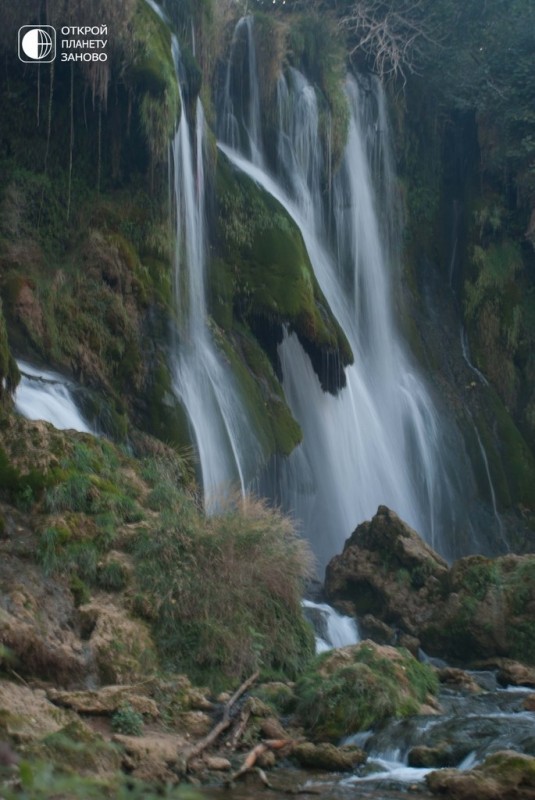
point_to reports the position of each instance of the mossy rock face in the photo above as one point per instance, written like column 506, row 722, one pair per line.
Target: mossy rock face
column 327, row 756
column 316, row 47
column 273, row 423
column 488, row 612
column 151, row 73
column 267, row 274
column 476, row 609
column 357, row 687
column 163, row 416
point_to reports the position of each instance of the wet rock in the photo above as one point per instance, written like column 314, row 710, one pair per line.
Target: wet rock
column 479, row 609
column 376, row 630
column 503, row 776
column 442, row 755
column 410, row 643
column 327, row 756
column 458, row 679
column 529, row 703
column 512, row 673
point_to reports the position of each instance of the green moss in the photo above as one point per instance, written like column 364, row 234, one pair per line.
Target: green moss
column 271, row 278
column 516, row 457
column 77, row 748
column 164, row 417
column 273, row 423
column 152, row 73
column 477, row 575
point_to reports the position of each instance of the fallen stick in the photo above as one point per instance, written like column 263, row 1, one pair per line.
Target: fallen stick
column 253, row 755
column 223, row 724
column 240, row 728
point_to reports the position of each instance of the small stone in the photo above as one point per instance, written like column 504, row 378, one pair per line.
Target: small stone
column 217, row 763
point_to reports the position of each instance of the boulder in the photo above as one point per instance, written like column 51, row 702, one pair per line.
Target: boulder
column 479, row 609
column 509, row 672
column 503, row 775
column 386, row 570
column 155, row 757
column 354, row 688
column 458, row 679
column 26, row 715
column 327, row 756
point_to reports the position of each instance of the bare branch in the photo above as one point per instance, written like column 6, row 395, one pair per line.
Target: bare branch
column 391, row 37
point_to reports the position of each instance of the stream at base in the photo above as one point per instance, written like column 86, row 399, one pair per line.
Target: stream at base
column 469, row 728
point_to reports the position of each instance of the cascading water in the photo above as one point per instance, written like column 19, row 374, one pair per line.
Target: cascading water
column 378, row 441
column 227, row 447
column 239, row 113
column 42, row 394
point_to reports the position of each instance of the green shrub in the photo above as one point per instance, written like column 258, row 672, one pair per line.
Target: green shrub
column 112, row 576
column 127, row 721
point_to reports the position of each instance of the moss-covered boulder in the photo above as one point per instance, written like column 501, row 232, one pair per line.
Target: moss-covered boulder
column 79, row 749
column 357, row 687
column 504, row 774
column 326, row 756
column 488, row 611
column 478, row 609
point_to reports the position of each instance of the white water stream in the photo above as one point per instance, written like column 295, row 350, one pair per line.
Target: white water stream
column 332, row 629
column 227, row 447
column 45, row 395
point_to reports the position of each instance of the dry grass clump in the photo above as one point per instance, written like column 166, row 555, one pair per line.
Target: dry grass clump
column 223, row 594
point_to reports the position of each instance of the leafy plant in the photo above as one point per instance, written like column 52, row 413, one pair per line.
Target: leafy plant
column 127, row 721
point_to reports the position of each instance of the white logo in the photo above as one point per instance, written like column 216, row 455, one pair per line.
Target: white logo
column 37, row 44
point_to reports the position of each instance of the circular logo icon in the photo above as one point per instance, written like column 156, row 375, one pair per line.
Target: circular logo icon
column 37, row 44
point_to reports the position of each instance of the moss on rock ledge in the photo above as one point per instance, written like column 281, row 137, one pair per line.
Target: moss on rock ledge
column 266, row 280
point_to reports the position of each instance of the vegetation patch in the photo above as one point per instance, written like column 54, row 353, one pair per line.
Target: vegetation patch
column 223, row 595
column 358, row 687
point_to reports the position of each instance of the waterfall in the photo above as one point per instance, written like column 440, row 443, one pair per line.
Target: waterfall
column 42, row 394
column 379, row 440
column 227, row 447
column 239, row 114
